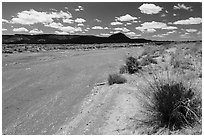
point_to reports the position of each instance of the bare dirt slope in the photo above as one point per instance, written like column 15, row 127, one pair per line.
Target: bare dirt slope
column 46, row 93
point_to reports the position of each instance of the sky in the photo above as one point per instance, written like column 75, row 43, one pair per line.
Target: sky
column 149, row 20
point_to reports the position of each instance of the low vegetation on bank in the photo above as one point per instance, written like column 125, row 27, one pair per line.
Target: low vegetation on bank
column 172, row 101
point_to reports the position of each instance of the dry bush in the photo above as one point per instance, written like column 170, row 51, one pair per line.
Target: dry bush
column 116, row 79
column 123, row 69
column 170, row 105
column 147, row 60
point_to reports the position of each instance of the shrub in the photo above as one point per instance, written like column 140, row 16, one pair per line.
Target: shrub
column 123, row 69
column 116, row 79
column 132, row 65
column 171, row 105
column 148, row 60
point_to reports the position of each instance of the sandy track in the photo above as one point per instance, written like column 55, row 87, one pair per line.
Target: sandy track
column 108, row 110
column 41, row 92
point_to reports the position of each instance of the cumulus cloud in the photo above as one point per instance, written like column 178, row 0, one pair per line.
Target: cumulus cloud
column 70, row 21
column 191, row 30
column 36, row 31
column 182, row 6
column 4, row 29
column 170, row 27
column 171, row 32
column 80, row 8
column 122, row 29
column 126, row 17
column 79, row 20
column 114, row 32
column 160, row 35
column 54, row 25
column 174, row 14
column 61, row 32
column 191, row 20
column 5, row 21
column 20, row 29
column 130, row 34
column 151, row 26
column 163, row 15
column 106, row 28
column 128, row 23
column 105, row 34
column 80, row 24
column 97, row 20
column 70, row 29
column 32, row 16
column 150, row 9
column 97, row 27
column 116, row 23
column 150, row 30
column 185, row 35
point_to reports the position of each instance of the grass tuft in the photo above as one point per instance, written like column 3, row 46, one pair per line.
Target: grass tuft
column 116, row 79
column 171, row 105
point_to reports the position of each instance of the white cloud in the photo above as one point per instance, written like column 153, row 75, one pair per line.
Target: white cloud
column 128, row 23
column 32, row 16
column 36, row 31
column 20, row 29
column 171, row 32
column 122, row 29
column 80, row 8
column 61, row 32
column 54, row 25
column 114, row 32
column 150, row 9
column 116, row 23
column 191, row 30
column 106, row 28
column 151, row 26
column 70, row 21
column 105, row 34
column 4, row 29
column 130, row 34
column 67, row 29
column 97, row 27
column 80, row 24
column 5, row 21
column 185, row 35
column 70, row 29
column 182, row 6
column 53, row 9
column 134, row 21
column 97, row 20
column 191, row 20
column 79, row 20
column 160, row 35
column 151, row 30
column 174, row 14
column 126, row 17
column 170, row 27
column 163, row 15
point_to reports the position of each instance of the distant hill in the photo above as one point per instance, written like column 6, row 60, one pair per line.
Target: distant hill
column 68, row 39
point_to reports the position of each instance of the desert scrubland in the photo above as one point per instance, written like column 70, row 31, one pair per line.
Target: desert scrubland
column 71, row 91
